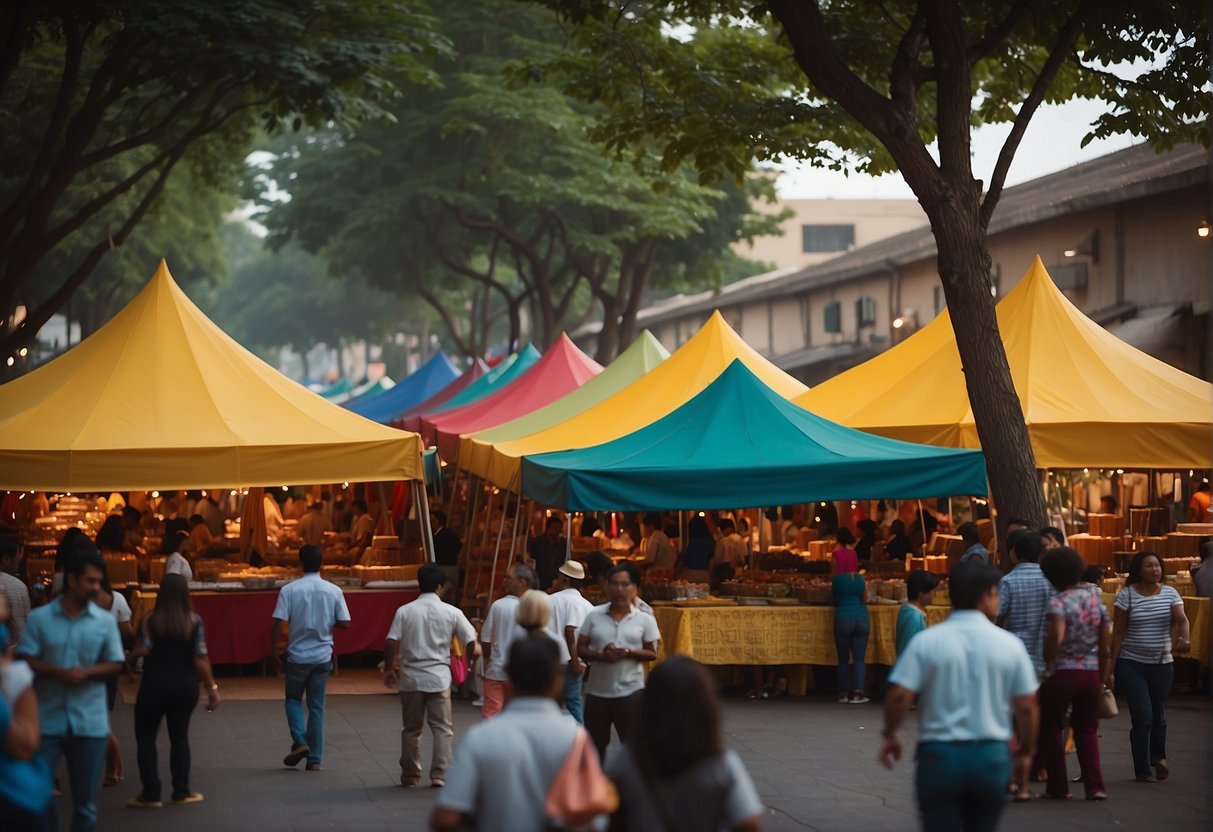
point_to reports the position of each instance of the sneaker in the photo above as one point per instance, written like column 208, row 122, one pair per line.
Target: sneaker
column 298, row 752
column 478, row 702
column 859, row 700
column 844, row 699
column 437, row 783
column 192, row 797
column 313, row 767
column 140, row 803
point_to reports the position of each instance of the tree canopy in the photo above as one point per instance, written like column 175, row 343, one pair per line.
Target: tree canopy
column 894, row 85
column 482, row 195
column 103, row 100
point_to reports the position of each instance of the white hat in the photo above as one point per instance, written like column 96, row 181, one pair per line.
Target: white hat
column 573, row 569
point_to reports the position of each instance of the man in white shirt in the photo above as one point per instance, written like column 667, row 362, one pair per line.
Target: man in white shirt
column 312, row 607
column 968, row 676
column 731, row 551
column 417, row 662
column 656, row 550
column 505, row 767
column 569, row 609
column 314, row 524
column 616, row 639
column 499, row 630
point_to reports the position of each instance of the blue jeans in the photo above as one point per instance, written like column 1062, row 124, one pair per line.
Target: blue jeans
column 572, row 695
column 1145, row 687
column 851, row 639
column 310, row 679
column 85, row 761
column 962, row 785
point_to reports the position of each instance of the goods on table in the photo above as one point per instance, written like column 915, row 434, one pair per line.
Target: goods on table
column 1180, row 545
column 1195, row 528
column 935, row 564
column 661, row 589
column 1105, row 525
column 368, row 574
column 1097, row 551
column 946, row 544
column 122, row 569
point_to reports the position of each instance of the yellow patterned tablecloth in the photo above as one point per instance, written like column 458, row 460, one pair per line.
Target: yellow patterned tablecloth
column 772, row 635
column 805, row 634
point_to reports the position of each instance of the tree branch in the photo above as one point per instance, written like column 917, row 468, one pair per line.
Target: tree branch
column 1060, row 53
column 452, row 326
column 903, row 83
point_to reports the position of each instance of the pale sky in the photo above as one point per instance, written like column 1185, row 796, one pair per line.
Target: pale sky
column 1051, row 143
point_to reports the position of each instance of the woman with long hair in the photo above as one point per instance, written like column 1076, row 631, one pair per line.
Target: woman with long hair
column 1076, row 656
column 1145, row 611
column 676, row 766
column 172, row 644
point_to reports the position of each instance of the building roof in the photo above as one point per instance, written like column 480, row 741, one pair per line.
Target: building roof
column 1128, row 174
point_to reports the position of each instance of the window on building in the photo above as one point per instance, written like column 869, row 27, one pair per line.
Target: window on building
column 826, row 238
column 832, row 316
column 865, row 311
column 1070, row 276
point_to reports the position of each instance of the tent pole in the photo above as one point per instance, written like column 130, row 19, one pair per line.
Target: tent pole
column 427, row 528
column 514, row 530
column 470, row 530
column 497, row 548
column 568, row 537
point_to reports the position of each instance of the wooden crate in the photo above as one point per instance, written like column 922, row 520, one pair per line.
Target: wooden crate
column 1097, row 550
column 1180, row 545
column 1105, row 525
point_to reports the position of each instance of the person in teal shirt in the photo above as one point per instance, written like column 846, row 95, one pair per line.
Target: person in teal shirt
column 912, row 617
column 851, row 630
column 25, row 781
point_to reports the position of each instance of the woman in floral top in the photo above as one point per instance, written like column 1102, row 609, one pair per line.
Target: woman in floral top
column 1076, row 656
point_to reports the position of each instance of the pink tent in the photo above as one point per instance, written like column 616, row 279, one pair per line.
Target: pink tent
column 561, row 370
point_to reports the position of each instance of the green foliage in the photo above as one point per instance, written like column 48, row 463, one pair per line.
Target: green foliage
column 102, row 100
column 479, row 184
column 720, row 83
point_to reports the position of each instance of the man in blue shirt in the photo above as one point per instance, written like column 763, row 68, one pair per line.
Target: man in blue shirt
column 312, row 607
column 971, row 536
column 968, row 676
column 73, row 646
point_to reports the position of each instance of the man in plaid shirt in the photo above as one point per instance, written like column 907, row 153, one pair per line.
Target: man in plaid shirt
column 1023, row 596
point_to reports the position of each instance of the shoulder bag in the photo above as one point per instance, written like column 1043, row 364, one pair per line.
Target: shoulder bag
column 581, row 791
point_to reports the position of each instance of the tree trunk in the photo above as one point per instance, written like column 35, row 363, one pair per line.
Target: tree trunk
column 307, row 370
column 608, row 336
column 964, row 268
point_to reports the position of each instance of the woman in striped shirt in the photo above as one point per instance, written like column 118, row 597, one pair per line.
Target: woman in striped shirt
column 1146, row 610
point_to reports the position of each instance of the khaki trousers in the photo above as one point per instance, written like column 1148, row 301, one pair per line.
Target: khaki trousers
column 417, row 708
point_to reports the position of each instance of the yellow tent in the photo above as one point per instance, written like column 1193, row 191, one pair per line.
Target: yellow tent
column 1089, row 398
column 161, row 398
column 673, row 383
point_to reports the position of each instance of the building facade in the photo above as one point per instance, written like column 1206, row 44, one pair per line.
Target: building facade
column 1124, row 236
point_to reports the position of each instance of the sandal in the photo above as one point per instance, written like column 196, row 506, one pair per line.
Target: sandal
column 1097, row 796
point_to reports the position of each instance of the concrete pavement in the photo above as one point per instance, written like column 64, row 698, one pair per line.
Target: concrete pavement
column 812, row 760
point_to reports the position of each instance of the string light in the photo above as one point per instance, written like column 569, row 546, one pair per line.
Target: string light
column 24, row 351
column 155, row 495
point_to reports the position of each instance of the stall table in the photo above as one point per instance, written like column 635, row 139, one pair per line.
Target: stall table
column 238, row 623
column 804, row 635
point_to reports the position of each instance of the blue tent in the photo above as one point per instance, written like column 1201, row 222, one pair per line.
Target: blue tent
column 430, row 378
column 739, row 444
column 495, row 379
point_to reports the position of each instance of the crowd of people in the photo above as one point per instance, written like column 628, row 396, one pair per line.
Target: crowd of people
column 1021, row 659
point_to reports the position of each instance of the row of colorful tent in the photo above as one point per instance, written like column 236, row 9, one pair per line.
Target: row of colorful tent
column 715, row 424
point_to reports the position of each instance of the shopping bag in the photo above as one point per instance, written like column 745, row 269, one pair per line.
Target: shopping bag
column 580, row 792
column 1105, row 707
column 459, row 663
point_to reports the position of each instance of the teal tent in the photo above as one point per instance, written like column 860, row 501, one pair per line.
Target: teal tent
column 739, row 444
column 342, row 386
column 492, row 381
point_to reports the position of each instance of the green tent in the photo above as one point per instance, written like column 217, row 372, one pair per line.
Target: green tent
column 739, row 444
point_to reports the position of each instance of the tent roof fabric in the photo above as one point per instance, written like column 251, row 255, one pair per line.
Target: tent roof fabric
column 160, row 397
column 431, row 377
column 492, row 381
column 368, row 390
column 411, row 418
column 562, row 369
column 342, row 387
column 677, row 380
column 645, row 353
column 1089, row 399
column 740, row 444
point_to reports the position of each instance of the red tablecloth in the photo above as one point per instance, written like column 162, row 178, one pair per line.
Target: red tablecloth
column 238, row 623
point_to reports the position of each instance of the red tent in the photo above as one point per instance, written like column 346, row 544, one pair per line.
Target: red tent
column 561, row 370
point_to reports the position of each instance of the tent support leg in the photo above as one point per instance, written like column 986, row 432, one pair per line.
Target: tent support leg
column 514, row 530
column 469, row 530
column 497, row 548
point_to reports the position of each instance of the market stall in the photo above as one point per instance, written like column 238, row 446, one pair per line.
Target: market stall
column 644, row 354
column 562, row 369
column 161, row 398
column 1089, row 399
column 740, row 443
column 431, row 378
